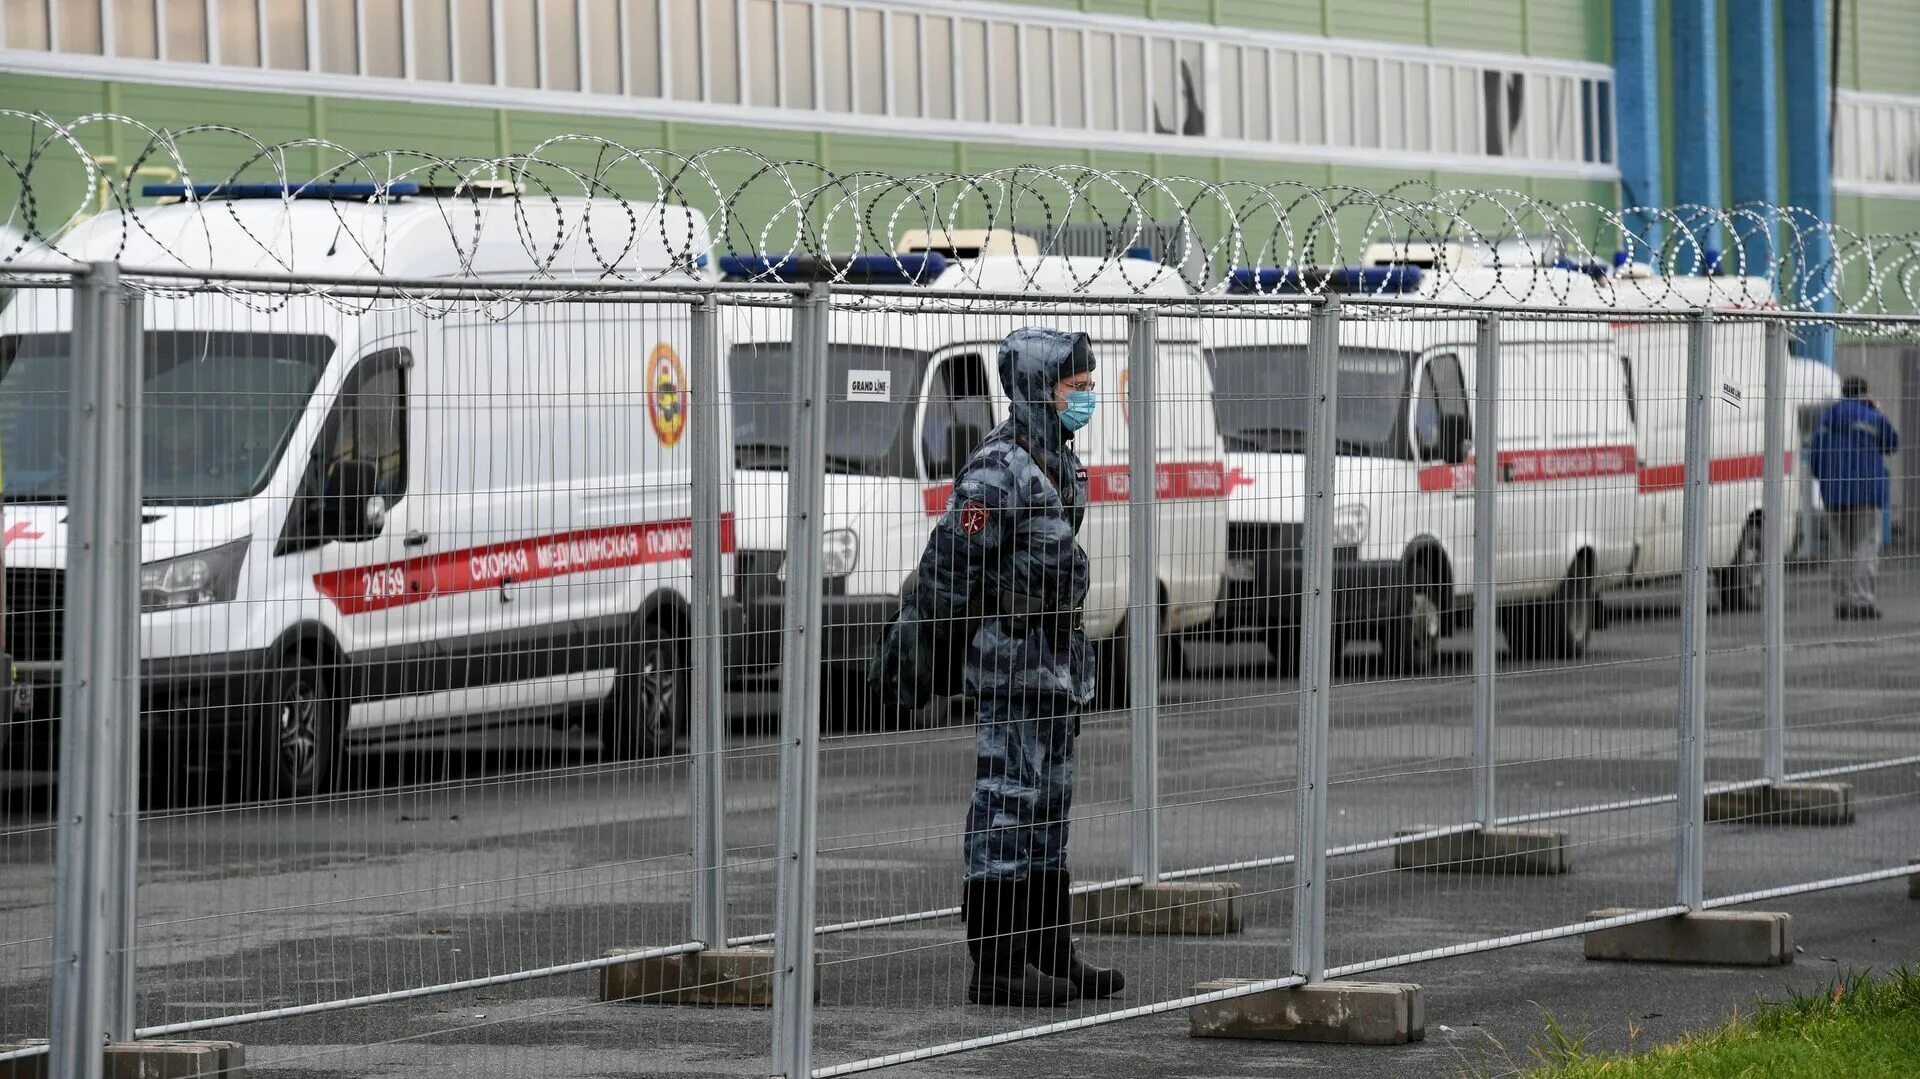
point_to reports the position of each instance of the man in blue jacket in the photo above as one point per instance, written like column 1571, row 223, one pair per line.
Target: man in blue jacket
column 1848, row 453
column 1006, row 554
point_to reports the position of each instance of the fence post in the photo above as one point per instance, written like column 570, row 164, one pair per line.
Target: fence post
column 1691, row 758
column 707, row 776
column 93, row 956
column 1143, row 592
column 800, row 694
column 1316, row 648
column 1773, row 507
column 1486, row 596
column 128, row 373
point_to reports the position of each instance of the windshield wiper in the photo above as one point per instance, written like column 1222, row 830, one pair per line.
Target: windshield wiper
column 856, row 466
column 1284, row 439
column 1270, row 439
column 759, row 455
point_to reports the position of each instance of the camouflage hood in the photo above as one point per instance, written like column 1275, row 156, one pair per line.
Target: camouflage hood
column 1032, row 362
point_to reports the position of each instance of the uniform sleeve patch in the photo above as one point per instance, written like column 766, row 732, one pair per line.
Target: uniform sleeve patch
column 973, row 517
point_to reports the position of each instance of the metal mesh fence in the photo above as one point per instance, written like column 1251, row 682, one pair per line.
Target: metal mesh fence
column 426, row 672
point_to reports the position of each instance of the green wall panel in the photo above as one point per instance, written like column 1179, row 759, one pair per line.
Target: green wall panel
column 1296, row 16
column 1495, row 25
column 1884, row 38
column 441, row 130
column 1410, row 23
column 1570, row 29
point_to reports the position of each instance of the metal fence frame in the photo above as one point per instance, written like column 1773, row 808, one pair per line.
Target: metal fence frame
column 97, row 817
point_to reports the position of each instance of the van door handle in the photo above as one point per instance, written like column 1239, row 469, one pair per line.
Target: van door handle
column 415, row 539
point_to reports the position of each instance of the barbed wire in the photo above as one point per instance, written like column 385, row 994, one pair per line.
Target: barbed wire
column 584, row 208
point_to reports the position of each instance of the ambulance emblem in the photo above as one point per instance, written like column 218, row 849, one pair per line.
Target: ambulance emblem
column 667, row 394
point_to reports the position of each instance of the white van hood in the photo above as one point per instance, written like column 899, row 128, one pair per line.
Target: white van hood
column 760, row 505
column 36, row 535
column 1268, row 488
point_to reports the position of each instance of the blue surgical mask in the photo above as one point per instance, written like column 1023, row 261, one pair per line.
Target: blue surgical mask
column 1079, row 410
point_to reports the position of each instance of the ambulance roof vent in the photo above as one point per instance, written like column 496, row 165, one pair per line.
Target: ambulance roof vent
column 858, row 269
column 966, row 243
column 313, row 189
column 1512, row 252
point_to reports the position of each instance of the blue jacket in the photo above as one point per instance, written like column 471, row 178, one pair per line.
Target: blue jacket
column 1009, row 530
column 1848, row 454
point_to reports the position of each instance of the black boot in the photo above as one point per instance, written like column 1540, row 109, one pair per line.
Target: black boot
column 1050, row 944
column 996, row 915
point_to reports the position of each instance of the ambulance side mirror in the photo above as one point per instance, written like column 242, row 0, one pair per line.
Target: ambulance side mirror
column 1456, row 439
column 351, row 508
column 962, row 440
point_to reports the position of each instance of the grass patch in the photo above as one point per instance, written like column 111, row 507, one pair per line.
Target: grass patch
column 1858, row 1028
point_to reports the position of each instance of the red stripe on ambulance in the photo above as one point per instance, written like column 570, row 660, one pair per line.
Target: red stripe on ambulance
column 365, row 589
column 1537, row 466
column 1720, row 470
column 1110, row 483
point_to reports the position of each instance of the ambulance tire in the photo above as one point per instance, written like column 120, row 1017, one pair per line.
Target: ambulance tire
column 850, row 705
column 1557, row 628
column 1410, row 644
column 296, row 746
column 1284, row 643
column 652, row 700
column 1741, row 584
column 1113, row 671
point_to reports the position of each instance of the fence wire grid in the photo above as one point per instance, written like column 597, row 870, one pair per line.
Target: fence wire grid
column 451, row 662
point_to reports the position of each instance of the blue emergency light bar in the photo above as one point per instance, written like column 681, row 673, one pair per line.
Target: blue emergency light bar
column 1293, row 280
column 313, row 189
column 918, row 268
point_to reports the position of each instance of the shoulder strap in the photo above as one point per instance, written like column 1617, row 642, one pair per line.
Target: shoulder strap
column 1058, row 487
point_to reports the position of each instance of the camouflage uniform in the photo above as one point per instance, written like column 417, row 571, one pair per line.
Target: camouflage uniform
column 1008, row 533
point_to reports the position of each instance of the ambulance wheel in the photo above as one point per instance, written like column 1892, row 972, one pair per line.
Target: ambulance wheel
column 1410, row 643
column 1742, row 582
column 1284, row 643
column 1557, row 628
column 1113, row 672
column 650, row 705
column 296, row 746
column 849, row 705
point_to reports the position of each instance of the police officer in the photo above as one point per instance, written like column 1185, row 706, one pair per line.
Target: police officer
column 1848, row 453
column 1005, row 550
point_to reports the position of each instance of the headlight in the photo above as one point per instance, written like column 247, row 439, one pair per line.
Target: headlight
column 1349, row 524
column 839, row 552
column 190, row 580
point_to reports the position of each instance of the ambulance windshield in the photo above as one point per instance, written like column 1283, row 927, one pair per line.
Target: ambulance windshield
column 1260, row 398
column 217, row 411
column 871, row 392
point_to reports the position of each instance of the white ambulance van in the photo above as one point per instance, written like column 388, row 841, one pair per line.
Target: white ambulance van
column 1653, row 358
column 911, row 395
column 362, row 522
column 1404, row 476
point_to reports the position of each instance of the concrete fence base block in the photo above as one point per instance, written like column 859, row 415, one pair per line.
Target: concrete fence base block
column 1180, row 909
column 145, row 1060
column 1347, row 1013
column 1505, row 851
column 34, row 1067
column 1785, row 803
column 717, row 977
column 1733, row 938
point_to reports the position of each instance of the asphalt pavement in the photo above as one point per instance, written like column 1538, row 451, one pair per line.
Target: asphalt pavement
column 518, row 850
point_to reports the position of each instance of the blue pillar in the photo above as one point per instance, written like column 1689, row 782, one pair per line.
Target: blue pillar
column 1636, row 109
column 1753, row 119
column 1803, row 30
column 1696, row 115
